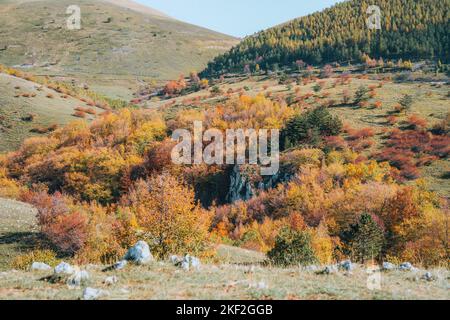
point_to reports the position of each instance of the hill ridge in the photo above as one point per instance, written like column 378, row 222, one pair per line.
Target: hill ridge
column 409, row 30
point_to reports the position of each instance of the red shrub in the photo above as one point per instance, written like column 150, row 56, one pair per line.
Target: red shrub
column 361, row 144
column 65, row 228
column 410, row 172
column 159, row 157
column 80, row 114
column 335, row 142
column 363, row 104
column 377, row 104
column 361, row 158
column 417, row 122
column 90, row 111
column 440, row 146
column 361, row 133
column 426, row 160
column 392, row 120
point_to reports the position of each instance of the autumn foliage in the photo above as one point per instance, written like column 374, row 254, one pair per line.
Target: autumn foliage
column 100, row 187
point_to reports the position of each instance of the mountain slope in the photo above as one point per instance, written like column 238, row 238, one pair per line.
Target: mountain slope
column 409, row 29
column 26, row 106
column 137, row 7
column 117, row 38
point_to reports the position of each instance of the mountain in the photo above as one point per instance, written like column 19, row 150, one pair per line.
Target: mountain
column 409, row 30
column 137, row 7
column 117, row 39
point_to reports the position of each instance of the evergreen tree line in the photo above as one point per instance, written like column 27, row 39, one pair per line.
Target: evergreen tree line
column 412, row 29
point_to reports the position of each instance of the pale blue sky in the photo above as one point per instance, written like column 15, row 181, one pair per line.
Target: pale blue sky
column 237, row 17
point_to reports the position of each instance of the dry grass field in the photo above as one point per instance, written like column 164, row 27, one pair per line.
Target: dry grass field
column 235, row 274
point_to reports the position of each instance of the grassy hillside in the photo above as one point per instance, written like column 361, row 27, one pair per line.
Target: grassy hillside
column 235, row 274
column 115, row 42
column 26, row 108
column 93, row 164
column 409, row 30
column 429, row 92
column 162, row 280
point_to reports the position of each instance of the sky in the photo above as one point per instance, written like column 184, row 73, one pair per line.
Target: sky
column 238, row 18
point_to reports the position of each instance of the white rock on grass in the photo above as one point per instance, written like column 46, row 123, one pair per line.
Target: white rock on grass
column 111, row 280
column 428, row 276
column 139, row 253
column 78, row 278
column 261, row 285
column 407, row 266
column 64, row 269
column 387, row 266
column 190, row 263
column 174, row 259
column 40, row 266
column 93, row 294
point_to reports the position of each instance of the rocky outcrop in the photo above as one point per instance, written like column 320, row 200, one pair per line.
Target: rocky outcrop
column 243, row 187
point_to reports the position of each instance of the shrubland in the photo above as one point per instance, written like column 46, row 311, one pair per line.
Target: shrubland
column 102, row 186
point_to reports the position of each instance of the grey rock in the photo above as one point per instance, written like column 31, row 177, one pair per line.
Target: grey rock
column 190, row 263
column 175, row 260
column 428, row 276
column 40, row 266
column 242, row 188
column 139, row 253
column 387, row 266
column 78, row 278
column 407, row 266
column 64, row 268
column 93, row 294
column 111, row 280
column 259, row 285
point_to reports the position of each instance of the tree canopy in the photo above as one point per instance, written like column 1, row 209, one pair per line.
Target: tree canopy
column 409, row 30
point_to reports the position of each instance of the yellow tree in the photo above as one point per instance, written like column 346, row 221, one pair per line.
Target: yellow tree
column 167, row 215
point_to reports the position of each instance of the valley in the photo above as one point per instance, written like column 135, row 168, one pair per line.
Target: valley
column 94, row 203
